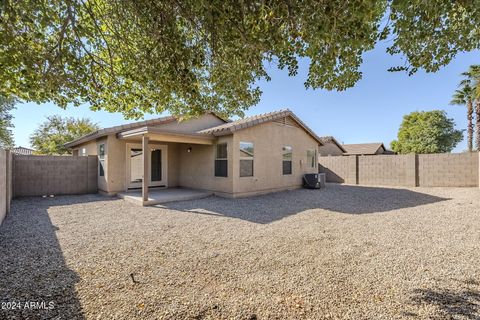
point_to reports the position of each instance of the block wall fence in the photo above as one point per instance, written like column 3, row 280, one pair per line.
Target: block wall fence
column 412, row 170
column 5, row 182
column 44, row 175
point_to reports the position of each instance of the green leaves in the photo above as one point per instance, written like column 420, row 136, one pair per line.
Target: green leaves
column 6, row 125
column 426, row 132
column 186, row 57
column 52, row 135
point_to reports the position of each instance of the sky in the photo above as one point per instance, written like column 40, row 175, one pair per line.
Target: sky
column 371, row 111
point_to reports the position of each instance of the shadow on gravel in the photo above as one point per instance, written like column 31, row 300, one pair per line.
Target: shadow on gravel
column 338, row 198
column 34, row 278
column 464, row 304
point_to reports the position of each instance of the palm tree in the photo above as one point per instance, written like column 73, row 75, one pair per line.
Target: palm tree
column 464, row 96
column 472, row 80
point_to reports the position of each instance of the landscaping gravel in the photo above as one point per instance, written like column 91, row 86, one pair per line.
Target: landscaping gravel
column 345, row 252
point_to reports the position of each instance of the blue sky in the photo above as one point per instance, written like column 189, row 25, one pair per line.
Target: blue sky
column 369, row 112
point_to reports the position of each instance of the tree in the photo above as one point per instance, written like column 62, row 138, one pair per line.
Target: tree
column 189, row 56
column 464, row 96
column 6, row 125
column 427, row 132
column 52, row 134
column 472, row 80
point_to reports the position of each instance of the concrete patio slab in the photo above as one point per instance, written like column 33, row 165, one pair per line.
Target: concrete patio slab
column 158, row 196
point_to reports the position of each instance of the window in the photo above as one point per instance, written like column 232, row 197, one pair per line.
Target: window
column 246, row 159
column 221, row 161
column 311, row 158
column 101, row 160
column 287, row 160
column 84, row 152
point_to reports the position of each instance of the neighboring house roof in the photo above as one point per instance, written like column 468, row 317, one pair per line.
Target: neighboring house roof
column 23, row 151
column 330, row 139
column 230, row 127
column 363, row 148
column 130, row 126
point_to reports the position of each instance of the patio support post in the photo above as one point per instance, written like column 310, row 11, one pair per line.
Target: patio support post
column 145, row 168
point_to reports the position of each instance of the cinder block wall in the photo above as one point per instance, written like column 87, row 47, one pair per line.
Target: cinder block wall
column 339, row 169
column 448, row 170
column 387, row 170
column 425, row 170
column 54, row 175
column 3, row 184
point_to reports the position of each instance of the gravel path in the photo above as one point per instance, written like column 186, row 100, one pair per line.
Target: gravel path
column 346, row 252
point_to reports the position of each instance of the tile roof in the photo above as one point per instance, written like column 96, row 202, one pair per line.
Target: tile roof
column 22, row 151
column 248, row 122
column 330, row 139
column 227, row 128
column 129, row 126
column 363, row 148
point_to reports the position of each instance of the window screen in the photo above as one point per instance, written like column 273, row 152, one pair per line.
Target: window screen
column 101, row 160
column 287, row 160
column 246, row 159
column 312, row 158
column 221, row 161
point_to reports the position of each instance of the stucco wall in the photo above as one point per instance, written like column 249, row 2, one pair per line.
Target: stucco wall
column 197, row 169
column 330, row 149
column 54, row 175
column 269, row 139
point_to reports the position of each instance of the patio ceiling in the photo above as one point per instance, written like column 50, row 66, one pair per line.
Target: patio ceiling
column 157, row 134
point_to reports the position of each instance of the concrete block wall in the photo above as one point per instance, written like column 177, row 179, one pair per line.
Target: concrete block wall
column 339, row 169
column 425, row 170
column 54, row 175
column 3, row 184
column 387, row 170
column 448, row 170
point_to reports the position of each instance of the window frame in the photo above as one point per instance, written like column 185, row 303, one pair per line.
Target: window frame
column 248, row 158
column 101, row 159
column 286, row 152
column 218, row 160
column 309, row 164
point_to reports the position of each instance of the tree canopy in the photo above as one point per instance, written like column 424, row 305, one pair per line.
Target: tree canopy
column 427, row 132
column 6, row 125
column 137, row 56
column 51, row 135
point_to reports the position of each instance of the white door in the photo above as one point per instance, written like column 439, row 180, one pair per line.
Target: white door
column 157, row 175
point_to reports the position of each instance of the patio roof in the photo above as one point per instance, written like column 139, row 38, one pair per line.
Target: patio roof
column 128, row 127
column 158, row 134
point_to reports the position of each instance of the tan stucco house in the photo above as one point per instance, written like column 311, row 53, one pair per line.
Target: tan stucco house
column 259, row 154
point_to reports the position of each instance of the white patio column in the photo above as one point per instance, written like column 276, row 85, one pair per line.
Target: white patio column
column 146, row 168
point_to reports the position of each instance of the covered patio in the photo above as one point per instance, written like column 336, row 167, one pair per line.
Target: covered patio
column 146, row 145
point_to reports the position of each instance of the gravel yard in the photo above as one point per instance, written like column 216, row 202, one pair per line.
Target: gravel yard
column 346, row 252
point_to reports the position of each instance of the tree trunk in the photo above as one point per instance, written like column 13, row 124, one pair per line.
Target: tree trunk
column 470, row 125
column 477, row 122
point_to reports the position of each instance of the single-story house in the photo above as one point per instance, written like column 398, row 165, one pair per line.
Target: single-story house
column 366, row 149
column 330, row 147
column 254, row 155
